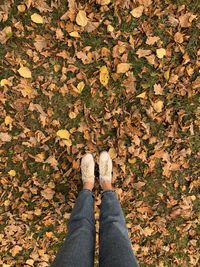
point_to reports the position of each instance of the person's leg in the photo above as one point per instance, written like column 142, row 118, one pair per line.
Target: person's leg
column 115, row 247
column 79, row 246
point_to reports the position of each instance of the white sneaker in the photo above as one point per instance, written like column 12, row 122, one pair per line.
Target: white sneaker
column 87, row 168
column 105, row 167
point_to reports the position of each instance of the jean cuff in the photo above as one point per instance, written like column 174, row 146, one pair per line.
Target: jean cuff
column 106, row 191
column 87, row 190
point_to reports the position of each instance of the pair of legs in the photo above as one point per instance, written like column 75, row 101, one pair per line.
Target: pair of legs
column 115, row 247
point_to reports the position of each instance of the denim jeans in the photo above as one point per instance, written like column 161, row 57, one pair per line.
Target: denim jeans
column 115, row 247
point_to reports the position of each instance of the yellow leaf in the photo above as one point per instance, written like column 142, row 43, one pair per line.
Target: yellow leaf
column 8, row 120
column 132, row 161
column 104, row 75
column 137, row 12
column 21, row 8
column 112, row 152
column 25, row 72
column 123, row 67
column 193, row 197
column 160, row 52
column 80, row 87
column 74, row 34
column 37, row 18
column 49, row 234
column 5, row 82
column 166, row 74
column 81, row 18
column 12, row 173
column 142, row 95
column 158, row 105
column 110, row 28
column 67, row 142
column 72, row 115
column 64, row 134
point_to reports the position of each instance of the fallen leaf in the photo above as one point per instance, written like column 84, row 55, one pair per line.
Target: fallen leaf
column 178, row 37
column 132, row 160
column 112, row 152
column 21, row 8
column 15, row 250
column 30, row 262
column 158, row 105
column 5, row 34
column 137, row 12
column 48, row 193
column 8, row 120
column 64, row 134
column 186, row 19
column 4, row 82
column 103, row 2
column 67, row 142
column 81, row 18
column 5, row 137
column 12, row 173
column 37, row 18
column 104, row 75
column 142, row 95
column 147, row 231
column 166, row 74
column 160, row 52
column 158, row 89
column 80, row 87
column 123, row 67
column 143, row 52
column 25, row 72
column 74, row 34
column 110, row 28
column 151, row 40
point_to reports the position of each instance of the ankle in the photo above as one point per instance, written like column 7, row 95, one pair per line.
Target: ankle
column 106, row 185
column 88, row 185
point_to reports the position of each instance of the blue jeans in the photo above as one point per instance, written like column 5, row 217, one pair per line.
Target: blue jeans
column 79, row 246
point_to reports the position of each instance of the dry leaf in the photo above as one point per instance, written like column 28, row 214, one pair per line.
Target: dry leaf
column 123, row 67
column 25, row 72
column 158, row 89
column 166, row 75
column 112, row 152
column 104, row 75
column 137, row 12
column 147, row 231
column 48, row 193
column 110, row 28
column 158, row 105
column 74, row 34
column 178, row 37
column 160, row 52
column 186, row 19
column 143, row 53
column 64, row 134
column 12, row 173
column 103, row 2
column 80, row 87
column 37, row 18
column 21, row 8
column 142, row 95
column 5, row 137
column 15, row 250
column 4, row 82
column 81, row 18
column 151, row 40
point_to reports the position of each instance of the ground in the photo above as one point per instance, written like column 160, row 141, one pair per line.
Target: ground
column 78, row 76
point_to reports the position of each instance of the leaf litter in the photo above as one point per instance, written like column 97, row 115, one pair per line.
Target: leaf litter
column 86, row 76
